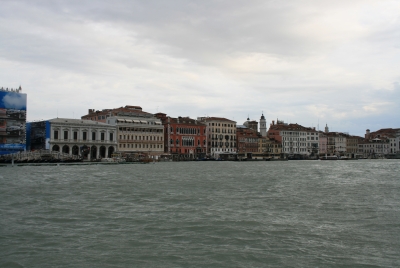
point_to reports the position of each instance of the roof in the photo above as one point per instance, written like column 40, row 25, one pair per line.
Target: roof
column 126, row 109
column 292, row 127
column 217, row 119
column 77, row 121
column 186, row 121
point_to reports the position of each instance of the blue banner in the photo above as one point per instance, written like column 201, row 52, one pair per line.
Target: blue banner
column 12, row 146
column 12, row 100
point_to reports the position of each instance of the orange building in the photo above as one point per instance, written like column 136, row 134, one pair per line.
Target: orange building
column 247, row 140
column 184, row 137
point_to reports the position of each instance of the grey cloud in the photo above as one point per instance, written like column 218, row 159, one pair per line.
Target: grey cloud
column 208, row 57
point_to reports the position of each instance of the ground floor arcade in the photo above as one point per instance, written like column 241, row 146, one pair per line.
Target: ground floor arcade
column 91, row 152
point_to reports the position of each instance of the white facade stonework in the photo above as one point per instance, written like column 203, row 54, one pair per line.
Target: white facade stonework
column 86, row 138
column 221, row 135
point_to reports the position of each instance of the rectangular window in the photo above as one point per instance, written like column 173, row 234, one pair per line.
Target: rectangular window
column 111, row 136
column 102, row 136
column 56, row 134
column 84, row 135
column 75, row 135
column 93, row 136
column 65, row 135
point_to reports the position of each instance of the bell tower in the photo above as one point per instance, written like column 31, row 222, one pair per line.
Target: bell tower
column 263, row 126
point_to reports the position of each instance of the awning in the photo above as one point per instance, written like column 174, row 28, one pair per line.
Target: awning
column 136, row 121
column 121, row 120
column 143, row 122
column 158, row 123
column 128, row 121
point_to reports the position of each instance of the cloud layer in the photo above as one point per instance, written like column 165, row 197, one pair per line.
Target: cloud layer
column 332, row 62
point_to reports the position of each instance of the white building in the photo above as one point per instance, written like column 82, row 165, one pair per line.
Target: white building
column 86, row 138
column 221, row 135
column 374, row 148
column 299, row 140
column 340, row 144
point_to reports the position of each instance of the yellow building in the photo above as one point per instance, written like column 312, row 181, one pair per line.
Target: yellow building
column 274, row 148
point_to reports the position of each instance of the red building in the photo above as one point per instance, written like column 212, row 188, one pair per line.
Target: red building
column 184, row 137
column 247, row 140
column 102, row 115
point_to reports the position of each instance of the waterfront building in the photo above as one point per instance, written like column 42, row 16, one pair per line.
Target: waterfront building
column 262, row 144
column 393, row 134
column 352, row 145
column 323, row 143
column 138, row 134
column 295, row 139
column 340, row 143
column 12, row 120
column 374, row 148
column 247, row 141
column 274, row 148
column 185, row 138
column 336, row 144
column 221, row 135
column 85, row 138
column 312, row 142
column 102, row 115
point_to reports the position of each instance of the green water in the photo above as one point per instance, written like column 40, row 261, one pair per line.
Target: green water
column 202, row 214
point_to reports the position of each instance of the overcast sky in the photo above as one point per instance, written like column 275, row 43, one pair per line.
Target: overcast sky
column 335, row 62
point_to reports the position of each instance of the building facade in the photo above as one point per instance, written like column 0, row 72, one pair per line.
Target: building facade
column 375, row 148
column 274, row 149
column 392, row 134
column 352, row 146
column 138, row 133
column 221, row 135
column 85, row 138
column 295, row 139
column 185, row 138
column 323, row 143
column 247, row 141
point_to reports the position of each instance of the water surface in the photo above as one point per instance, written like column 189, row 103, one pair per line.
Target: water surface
column 202, row 214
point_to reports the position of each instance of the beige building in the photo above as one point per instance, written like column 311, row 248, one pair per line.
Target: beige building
column 274, row 148
column 352, row 145
column 221, row 135
column 138, row 134
column 262, row 144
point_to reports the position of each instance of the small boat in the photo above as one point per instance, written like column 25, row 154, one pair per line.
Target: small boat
column 329, row 157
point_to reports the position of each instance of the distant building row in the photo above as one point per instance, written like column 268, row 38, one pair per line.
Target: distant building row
column 130, row 130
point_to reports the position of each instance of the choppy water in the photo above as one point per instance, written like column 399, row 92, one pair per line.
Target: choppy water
column 202, row 214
